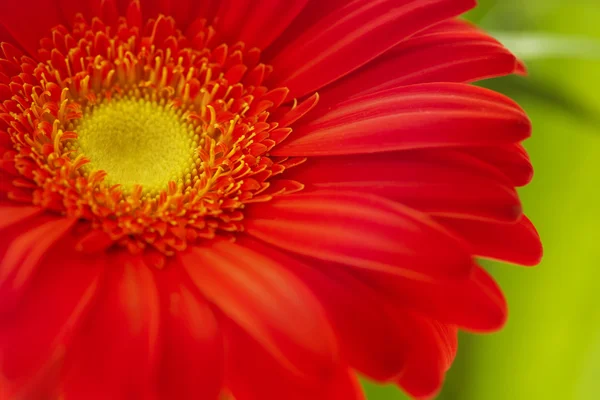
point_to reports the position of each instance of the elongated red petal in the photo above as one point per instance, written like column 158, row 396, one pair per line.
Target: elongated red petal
column 152, row 8
column 268, row 302
column 381, row 338
column 476, row 304
column 461, row 54
column 353, row 35
column 191, row 366
column 363, row 231
column 115, row 355
column 312, row 13
column 417, row 116
column 426, row 363
column 23, row 251
column 69, row 8
column 182, row 11
column 205, row 9
column 5, row 36
column 511, row 159
column 32, row 339
column 11, row 213
column 518, row 243
column 253, row 374
column 256, row 23
column 369, row 338
column 440, row 182
column 448, row 335
column 28, row 25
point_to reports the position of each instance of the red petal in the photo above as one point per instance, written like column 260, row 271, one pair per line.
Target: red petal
column 312, row 13
column 351, row 36
column 29, row 21
column 417, row 116
column 5, row 36
column 253, row 374
column 192, row 361
column 268, row 302
column 33, row 339
column 521, row 68
column 134, row 14
column 257, row 24
column 205, row 9
column 476, row 304
column 511, row 159
column 440, row 182
column 360, row 230
column 517, row 243
column 434, row 55
column 150, row 8
column 114, row 357
column 369, row 338
column 182, row 11
column 425, row 368
column 298, row 111
column 448, row 335
column 69, row 8
column 11, row 214
column 24, row 248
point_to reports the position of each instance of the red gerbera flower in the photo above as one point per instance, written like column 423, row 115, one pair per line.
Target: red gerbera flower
column 184, row 217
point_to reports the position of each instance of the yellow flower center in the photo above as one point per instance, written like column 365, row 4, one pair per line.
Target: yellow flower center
column 137, row 141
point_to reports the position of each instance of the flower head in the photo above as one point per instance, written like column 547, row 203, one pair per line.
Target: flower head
column 231, row 198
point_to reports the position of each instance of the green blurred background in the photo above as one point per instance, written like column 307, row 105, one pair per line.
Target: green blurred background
column 550, row 348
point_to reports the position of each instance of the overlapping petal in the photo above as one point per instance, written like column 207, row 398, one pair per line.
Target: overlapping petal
column 426, row 363
column 35, row 335
column 256, row 24
column 26, row 242
column 511, row 159
column 476, row 304
column 352, row 35
column 253, row 374
column 363, row 231
column 439, row 182
column 454, row 51
column 69, row 8
column 266, row 301
column 115, row 355
column 410, row 117
column 192, row 353
column 517, row 243
column 364, row 323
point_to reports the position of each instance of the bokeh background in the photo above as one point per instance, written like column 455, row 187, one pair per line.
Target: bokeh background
column 550, row 348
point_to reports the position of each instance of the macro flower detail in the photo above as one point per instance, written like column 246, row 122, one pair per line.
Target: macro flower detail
column 250, row 200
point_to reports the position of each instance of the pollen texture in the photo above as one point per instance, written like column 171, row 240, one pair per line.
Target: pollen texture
column 137, row 141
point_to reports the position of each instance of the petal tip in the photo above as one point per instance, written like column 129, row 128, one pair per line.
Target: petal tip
column 521, row 68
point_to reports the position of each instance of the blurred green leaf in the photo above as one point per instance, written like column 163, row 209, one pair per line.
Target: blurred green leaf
column 533, row 45
column 589, row 384
column 383, row 392
column 551, row 95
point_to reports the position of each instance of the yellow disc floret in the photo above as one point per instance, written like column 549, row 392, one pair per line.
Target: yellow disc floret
column 137, row 142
